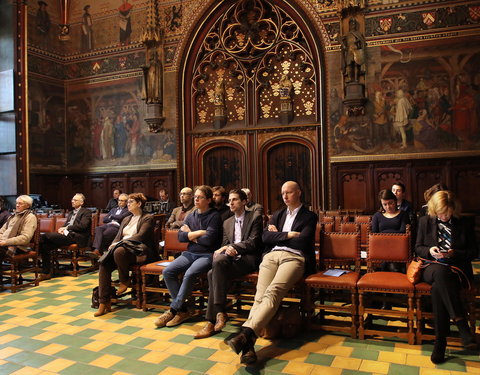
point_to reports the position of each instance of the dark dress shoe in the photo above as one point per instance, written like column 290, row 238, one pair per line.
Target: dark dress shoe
column 238, row 342
column 221, row 321
column 207, row 331
column 468, row 339
column 438, row 353
column 249, row 356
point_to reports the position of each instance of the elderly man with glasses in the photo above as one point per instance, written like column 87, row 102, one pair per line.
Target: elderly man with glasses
column 76, row 230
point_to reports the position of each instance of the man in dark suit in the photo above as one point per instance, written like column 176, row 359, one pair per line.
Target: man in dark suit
column 113, row 202
column 104, row 234
column 289, row 239
column 76, row 230
column 239, row 255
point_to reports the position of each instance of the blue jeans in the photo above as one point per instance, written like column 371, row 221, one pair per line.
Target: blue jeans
column 193, row 265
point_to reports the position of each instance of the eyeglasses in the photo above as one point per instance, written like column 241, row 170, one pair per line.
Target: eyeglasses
column 199, row 197
column 130, row 201
column 122, row 200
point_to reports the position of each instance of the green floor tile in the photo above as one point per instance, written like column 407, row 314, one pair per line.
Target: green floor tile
column 454, row 364
column 199, row 365
column 23, row 331
column 25, row 343
column 88, row 332
column 355, row 372
column 135, row 353
column 273, row 364
column 201, row 352
column 381, row 346
column 42, row 325
column 182, row 339
column 78, row 355
column 354, row 343
column 116, row 349
column 69, row 340
column 176, row 361
column 30, row 359
column 364, row 354
column 140, row 342
column 128, row 330
column 320, row 359
column 138, row 367
column 396, row 369
column 39, row 315
column 4, row 317
column 8, row 368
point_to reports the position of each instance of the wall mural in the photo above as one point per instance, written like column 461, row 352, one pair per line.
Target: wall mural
column 423, row 99
column 105, row 129
column 46, row 114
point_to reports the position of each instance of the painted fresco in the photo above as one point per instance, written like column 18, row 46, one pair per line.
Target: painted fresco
column 106, row 130
column 424, row 98
column 46, row 114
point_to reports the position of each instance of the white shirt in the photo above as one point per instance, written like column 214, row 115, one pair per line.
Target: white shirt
column 237, row 232
column 287, row 227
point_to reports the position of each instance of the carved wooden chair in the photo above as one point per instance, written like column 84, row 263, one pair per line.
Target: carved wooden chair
column 386, row 247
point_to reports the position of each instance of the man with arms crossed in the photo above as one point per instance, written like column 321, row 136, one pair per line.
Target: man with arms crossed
column 289, row 254
column 239, row 255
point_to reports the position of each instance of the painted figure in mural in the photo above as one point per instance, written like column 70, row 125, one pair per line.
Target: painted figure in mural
column 120, row 136
column 134, row 131
column 353, row 49
column 402, row 112
column 219, row 93
column 425, row 132
column 107, row 136
column 87, row 31
column 153, row 79
column 125, row 22
column 97, row 137
column 336, row 106
column 464, row 116
column 169, row 147
column 43, row 18
column 286, row 87
column 381, row 129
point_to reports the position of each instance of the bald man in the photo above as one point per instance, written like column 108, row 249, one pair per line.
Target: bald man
column 289, row 254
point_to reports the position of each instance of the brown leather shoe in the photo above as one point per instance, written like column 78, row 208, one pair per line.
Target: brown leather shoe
column 221, row 321
column 238, row 342
column 248, row 357
column 163, row 319
column 179, row 318
column 205, row 332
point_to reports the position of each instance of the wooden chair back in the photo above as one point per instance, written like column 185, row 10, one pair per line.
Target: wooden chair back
column 172, row 244
column 47, row 224
column 340, row 249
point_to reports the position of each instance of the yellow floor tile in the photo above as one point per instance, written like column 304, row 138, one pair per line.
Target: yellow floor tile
column 104, row 336
column 331, row 340
column 7, row 338
column 342, row 351
column 121, row 338
column 179, row 349
column 2, row 362
column 158, row 345
column 223, row 356
column 374, row 366
column 27, row 371
column 392, row 357
column 222, row 369
column 323, row 370
column 51, row 349
column 472, row 369
column 431, row 371
column 6, row 327
column 294, row 355
column 419, row 361
column 314, row 347
column 57, row 365
column 174, row 371
column 106, row 361
column 154, row 357
column 8, row 352
column 96, row 346
column 298, row 368
column 45, row 336
column 346, row 363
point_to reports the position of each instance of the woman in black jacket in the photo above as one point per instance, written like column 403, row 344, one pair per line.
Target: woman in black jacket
column 445, row 237
column 139, row 228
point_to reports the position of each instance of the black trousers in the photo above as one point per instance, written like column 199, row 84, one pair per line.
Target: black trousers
column 104, row 236
column 224, row 269
column 446, row 300
column 49, row 242
column 123, row 260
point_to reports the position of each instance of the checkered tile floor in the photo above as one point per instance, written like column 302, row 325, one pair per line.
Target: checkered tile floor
column 50, row 329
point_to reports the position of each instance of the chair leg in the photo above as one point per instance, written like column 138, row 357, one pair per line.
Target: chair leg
column 361, row 320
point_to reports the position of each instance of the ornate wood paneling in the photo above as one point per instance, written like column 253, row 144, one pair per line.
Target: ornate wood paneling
column 351, row 187
column 223, row 166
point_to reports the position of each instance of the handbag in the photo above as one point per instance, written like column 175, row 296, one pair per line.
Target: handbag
column 414, row 270
column 96, row 297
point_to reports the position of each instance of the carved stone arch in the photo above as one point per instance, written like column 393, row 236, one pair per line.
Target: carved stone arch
column 283, row 159
column 222, row 163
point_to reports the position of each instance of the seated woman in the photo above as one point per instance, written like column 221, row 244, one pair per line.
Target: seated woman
column 202, row 230
column 449, row 239
column 389, row 219
column 139, row 228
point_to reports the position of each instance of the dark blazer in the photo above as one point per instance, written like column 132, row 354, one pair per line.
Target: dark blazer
column 251, row 245
column 305, row 223
column 144, row 234
column 463, row 242
column 112, row 216
column 112, row 203
column 80, row 230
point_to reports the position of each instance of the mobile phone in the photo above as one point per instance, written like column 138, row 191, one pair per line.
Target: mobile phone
column 443, row 251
